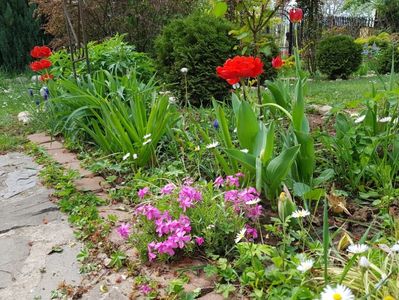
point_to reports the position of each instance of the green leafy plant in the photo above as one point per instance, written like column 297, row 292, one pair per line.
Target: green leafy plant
column 338, row 56
column 113, row 55
column 120, row 114
column 199, row 43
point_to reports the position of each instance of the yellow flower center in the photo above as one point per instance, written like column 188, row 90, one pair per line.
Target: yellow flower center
column 389, row 298
column 337, row 296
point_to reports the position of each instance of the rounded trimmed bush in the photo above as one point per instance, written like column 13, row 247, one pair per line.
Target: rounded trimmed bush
column 338, row 56
column 199, row 43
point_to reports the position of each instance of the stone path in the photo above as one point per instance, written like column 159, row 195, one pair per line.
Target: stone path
column 30, row 227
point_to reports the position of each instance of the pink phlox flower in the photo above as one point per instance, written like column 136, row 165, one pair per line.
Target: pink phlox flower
column 248, row 194
column 199, row 240
column 255, row 212
column 188, row 196
column 239, row 174
column 168, row 189
column 124, row 230
column 143, row 192
column 188, row 181
column 231, row 195
column 185, row 223
column 232, row 181
column 180, row 238
column 166, row 246
column 251, row 233
column 145, row 289
column 151, row 212
column 151, row 254
column 218, row 181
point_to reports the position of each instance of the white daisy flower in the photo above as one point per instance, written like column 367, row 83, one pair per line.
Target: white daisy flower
column 395, row 248
column 212, row 145
column 357, row 248
column 126, row 156
column 385, row 120
column 364, row 262
column 147, row 136
column 240, row 235
column 184, row 70
column 147, row 142
column 360, row 119
column 135, row 156
column 254, row 201
column 340, row 292
column 244, row 150
column 300, row 213
column 305, row 265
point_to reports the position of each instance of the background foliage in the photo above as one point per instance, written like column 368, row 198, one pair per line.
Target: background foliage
column 19, row 32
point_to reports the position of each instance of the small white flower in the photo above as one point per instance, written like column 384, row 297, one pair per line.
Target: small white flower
column 126, row 156
column 236, row 86
column 212, row 145
column 300, row 213
column 184, row 70
column 147, row 142
column 358, row 248
column 305, row 265
column 360, row 119
column 147, row 136
column 24, row 117
column 172, row 100
column 235, row 130
column 135, row 156
column 210, row 226
column 364, row 262
column 245, row 150
column 254, row 201
column 395, row 248
column 385, row 120
column 240, row 235
column 340, row 292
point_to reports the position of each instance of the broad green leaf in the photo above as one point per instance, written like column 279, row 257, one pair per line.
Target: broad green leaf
column 247, row 126
column 278, row 168
column 246, row 159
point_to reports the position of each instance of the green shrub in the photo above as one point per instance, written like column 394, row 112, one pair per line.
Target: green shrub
column 338, row 56
column 113, row 55
column 199, row 43
column 384, row 60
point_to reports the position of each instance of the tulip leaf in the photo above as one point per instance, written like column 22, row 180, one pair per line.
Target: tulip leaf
column 278, row 168
column 246, row 159
column 247, row 126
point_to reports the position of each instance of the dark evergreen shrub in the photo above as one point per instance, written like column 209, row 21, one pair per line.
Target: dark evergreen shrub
column 338, row 56
column 199, row 43
column 19, row 32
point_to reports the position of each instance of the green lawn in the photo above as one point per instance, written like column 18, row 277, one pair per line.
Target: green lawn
column 343, row 91
column 14, row 98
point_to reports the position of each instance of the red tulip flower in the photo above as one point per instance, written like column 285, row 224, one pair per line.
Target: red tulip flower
column 40, row 52
column 296, row 15
column 238, row 67
column 39, row 65
column 277, row 62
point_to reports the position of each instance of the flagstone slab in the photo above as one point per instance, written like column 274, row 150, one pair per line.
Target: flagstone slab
column 40, row 138
column 62, row 156
column 89, row 184
column 30, row 227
